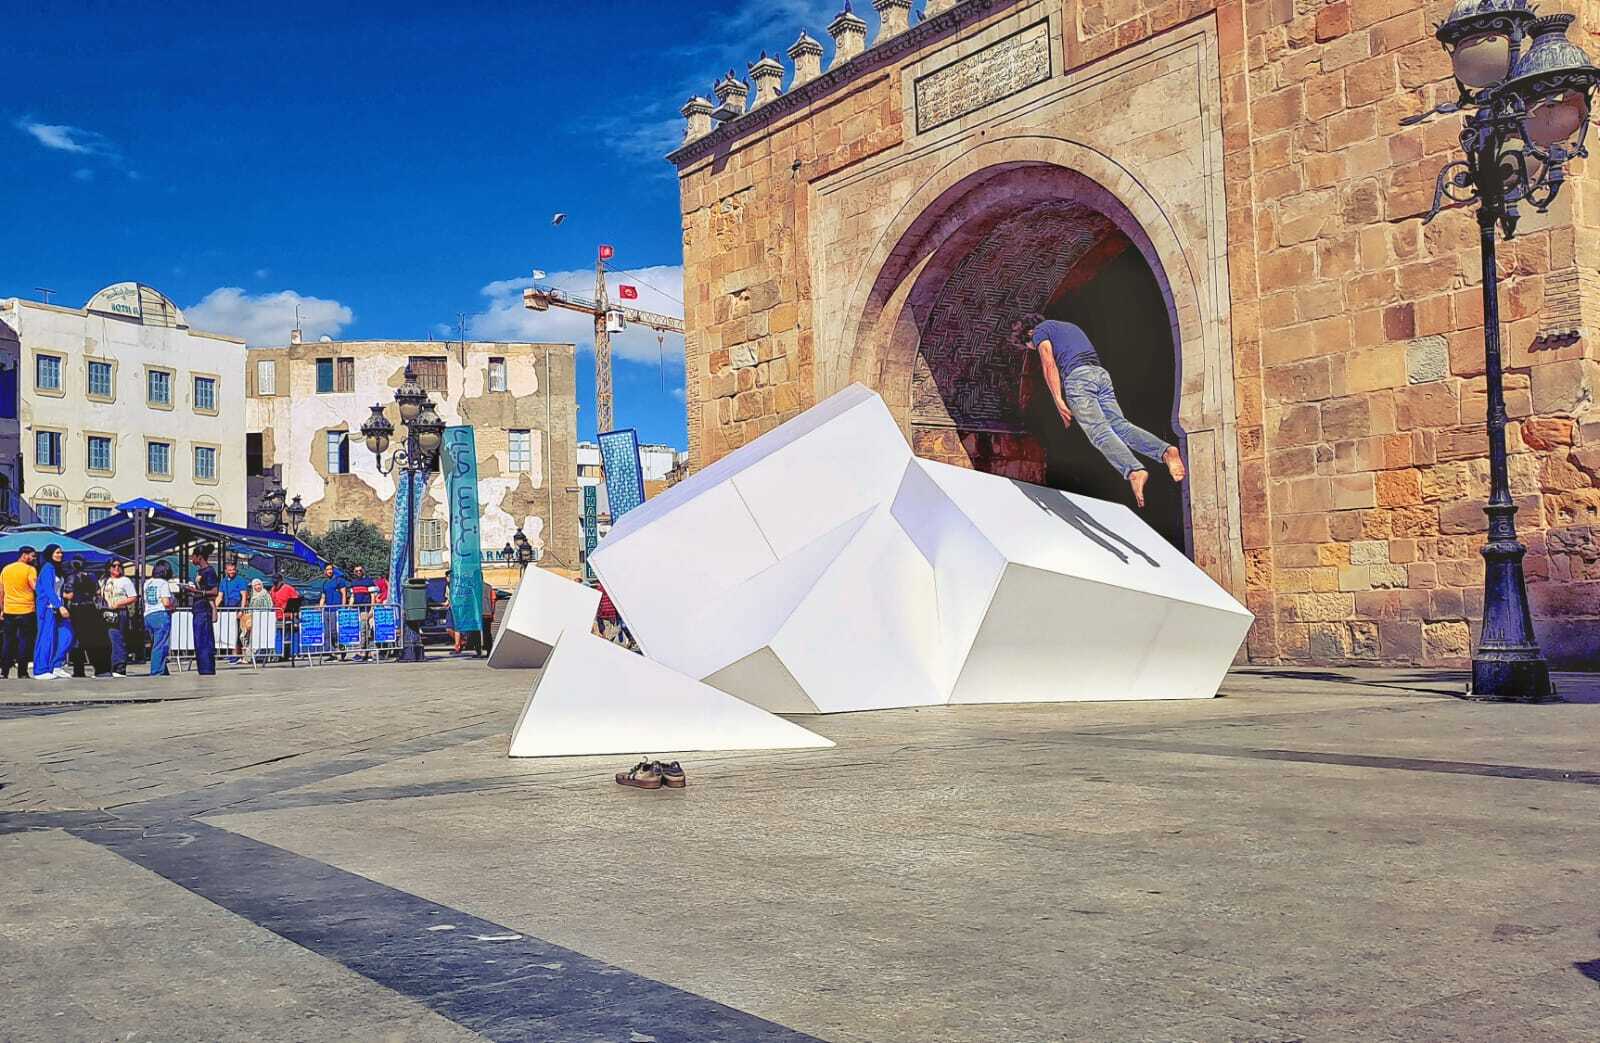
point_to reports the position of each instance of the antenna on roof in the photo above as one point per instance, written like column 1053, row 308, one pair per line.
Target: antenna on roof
column 44, row 293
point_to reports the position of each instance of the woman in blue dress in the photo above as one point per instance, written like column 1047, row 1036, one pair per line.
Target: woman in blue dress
column 55, row 626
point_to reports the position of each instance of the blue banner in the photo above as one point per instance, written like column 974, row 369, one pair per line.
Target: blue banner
column 460, row 463
column 591, row 526
column 312, row 634
column 405, row 493
column 619, row 457
column 349, row 626
column 385, row 624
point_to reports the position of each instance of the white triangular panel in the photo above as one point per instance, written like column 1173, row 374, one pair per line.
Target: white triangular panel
column 543, row 607
column 595, row 697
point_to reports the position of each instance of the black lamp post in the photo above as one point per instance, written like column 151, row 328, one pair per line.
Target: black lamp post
column 297, row 515
column 1527, row 116
column 424, row 431
column 270, row 513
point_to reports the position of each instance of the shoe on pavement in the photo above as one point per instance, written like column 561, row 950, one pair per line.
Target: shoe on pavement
column 672, row 775
column 643, row 775
column 65, row 675
column 116, row 674
column 44, row 677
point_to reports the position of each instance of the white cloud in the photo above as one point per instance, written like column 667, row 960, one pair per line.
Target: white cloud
column 64, row 138
column 267, row 318
column 659, row 289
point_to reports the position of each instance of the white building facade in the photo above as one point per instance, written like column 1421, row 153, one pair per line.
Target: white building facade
column 121, row 399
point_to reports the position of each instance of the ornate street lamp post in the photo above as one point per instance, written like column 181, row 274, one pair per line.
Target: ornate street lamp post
column 1527, row 116
column 297, row 515
column 270, row 513
column 424, row 431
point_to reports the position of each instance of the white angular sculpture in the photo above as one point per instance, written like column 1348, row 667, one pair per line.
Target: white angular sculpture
column 1086, row 601
column 543, row 607
column 595, row 697
column 821, row 568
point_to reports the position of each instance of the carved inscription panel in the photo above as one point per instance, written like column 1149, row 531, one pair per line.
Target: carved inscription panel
column 1003, row 68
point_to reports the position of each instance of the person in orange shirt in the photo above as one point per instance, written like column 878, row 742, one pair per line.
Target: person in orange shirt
column 19, row 629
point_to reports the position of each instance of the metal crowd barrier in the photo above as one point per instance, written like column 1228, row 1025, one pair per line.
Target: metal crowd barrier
column 311, row 634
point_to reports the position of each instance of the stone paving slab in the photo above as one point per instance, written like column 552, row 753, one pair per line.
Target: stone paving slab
column 1318, row 856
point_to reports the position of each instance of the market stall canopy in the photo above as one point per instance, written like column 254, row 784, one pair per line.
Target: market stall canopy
column 166, row 530
column 40, row 537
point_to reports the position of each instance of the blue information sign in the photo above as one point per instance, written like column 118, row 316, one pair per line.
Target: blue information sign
column 312, row 634
column 386, row 624
column 619, row 456
column 349, row 623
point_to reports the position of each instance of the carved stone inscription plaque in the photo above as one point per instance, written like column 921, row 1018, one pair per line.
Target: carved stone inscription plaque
column 1000, row 70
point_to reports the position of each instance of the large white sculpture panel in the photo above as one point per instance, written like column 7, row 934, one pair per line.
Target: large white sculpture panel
column 821, row 568
column 542, row 608
column 595, row 697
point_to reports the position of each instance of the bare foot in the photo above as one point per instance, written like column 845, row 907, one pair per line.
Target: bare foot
column 1137, row 480
column 1174, row 461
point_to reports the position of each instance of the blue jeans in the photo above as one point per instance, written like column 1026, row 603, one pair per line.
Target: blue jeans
column 159, row 624
column 1093, row 402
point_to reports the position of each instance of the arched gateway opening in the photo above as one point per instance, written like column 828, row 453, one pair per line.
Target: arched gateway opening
column 1005, row 241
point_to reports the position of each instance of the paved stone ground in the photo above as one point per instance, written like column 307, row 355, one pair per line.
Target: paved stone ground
column 345, row 853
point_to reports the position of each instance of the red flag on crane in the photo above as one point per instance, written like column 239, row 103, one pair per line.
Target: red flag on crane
column 607, row 252
column 628, row 293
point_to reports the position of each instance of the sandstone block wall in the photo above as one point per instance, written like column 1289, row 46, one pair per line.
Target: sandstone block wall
column 1343, row 405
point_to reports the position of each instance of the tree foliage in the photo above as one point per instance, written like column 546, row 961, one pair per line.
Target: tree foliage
column 358, row 543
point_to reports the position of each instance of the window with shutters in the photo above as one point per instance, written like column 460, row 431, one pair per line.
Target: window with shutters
column 344, row 376
column 338, row 452
column 158, row 387
column 102, row 378
column 324, row 376
column 100, row 459
column 431, row 372
column 266, row 377
column 497, row 374
column 431, row 551
column 521, row 451
column 158, row 459
column 205, row 395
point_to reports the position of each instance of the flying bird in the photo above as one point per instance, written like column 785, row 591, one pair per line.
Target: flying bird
column 557, row 219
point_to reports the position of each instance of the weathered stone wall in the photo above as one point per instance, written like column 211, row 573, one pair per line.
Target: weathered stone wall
column 1330, row 345
column 540, row 397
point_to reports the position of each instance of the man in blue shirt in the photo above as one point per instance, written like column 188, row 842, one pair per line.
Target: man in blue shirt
column 206, row 591
column 235, row 588
column 1081, row 389
column 333, row 586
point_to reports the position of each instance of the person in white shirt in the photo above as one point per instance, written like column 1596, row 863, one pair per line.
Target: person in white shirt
column 118, row 595
column 158, row 599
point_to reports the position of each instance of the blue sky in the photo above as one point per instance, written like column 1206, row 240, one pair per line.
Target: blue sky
column 385, row 169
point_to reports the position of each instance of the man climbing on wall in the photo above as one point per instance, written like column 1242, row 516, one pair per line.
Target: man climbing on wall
column 1081, row 389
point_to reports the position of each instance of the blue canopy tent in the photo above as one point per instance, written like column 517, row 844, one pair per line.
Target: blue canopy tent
column 39, row 537
column 143, row 529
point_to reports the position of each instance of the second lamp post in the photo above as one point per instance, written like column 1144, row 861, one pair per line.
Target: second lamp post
column 424, row 430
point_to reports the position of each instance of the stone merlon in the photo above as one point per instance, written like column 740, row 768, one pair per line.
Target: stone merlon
column 849, row 34
column 894, row 18
column 697, row 111
column 807, row 55
column 767, row 74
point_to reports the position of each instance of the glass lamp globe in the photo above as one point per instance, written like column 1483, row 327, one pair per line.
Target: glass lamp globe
column 1482, row 60
column 1557, row 119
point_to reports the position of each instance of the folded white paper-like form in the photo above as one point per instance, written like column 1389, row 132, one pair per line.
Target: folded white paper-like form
column 542, row 608
column 597, row 697
column 822, row 568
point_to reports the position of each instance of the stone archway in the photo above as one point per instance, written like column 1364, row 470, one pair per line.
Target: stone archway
column 957, row 245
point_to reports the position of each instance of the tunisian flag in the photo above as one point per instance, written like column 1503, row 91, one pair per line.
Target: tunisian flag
column 628, row 293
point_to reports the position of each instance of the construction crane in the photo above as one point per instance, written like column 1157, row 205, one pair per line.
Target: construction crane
column 608, row 319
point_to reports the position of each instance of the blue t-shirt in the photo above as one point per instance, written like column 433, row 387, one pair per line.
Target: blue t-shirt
column 233, row 590
column 333, row 590
column 1068, row 343
column 206, row 582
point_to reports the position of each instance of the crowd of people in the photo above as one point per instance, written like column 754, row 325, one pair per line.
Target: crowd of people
column 64, row 618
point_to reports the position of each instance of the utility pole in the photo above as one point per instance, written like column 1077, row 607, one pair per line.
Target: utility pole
column 44, row 293
column 543, row 298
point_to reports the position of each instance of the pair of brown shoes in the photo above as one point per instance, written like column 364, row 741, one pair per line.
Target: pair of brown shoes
column 653, row 775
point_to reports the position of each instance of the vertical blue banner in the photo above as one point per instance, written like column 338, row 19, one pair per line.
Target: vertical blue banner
column 407, row 490
column 619, row 458
column 591, row 526
column 466, row 551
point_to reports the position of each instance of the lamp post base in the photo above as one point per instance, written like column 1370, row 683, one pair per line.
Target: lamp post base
column 1520, row 676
